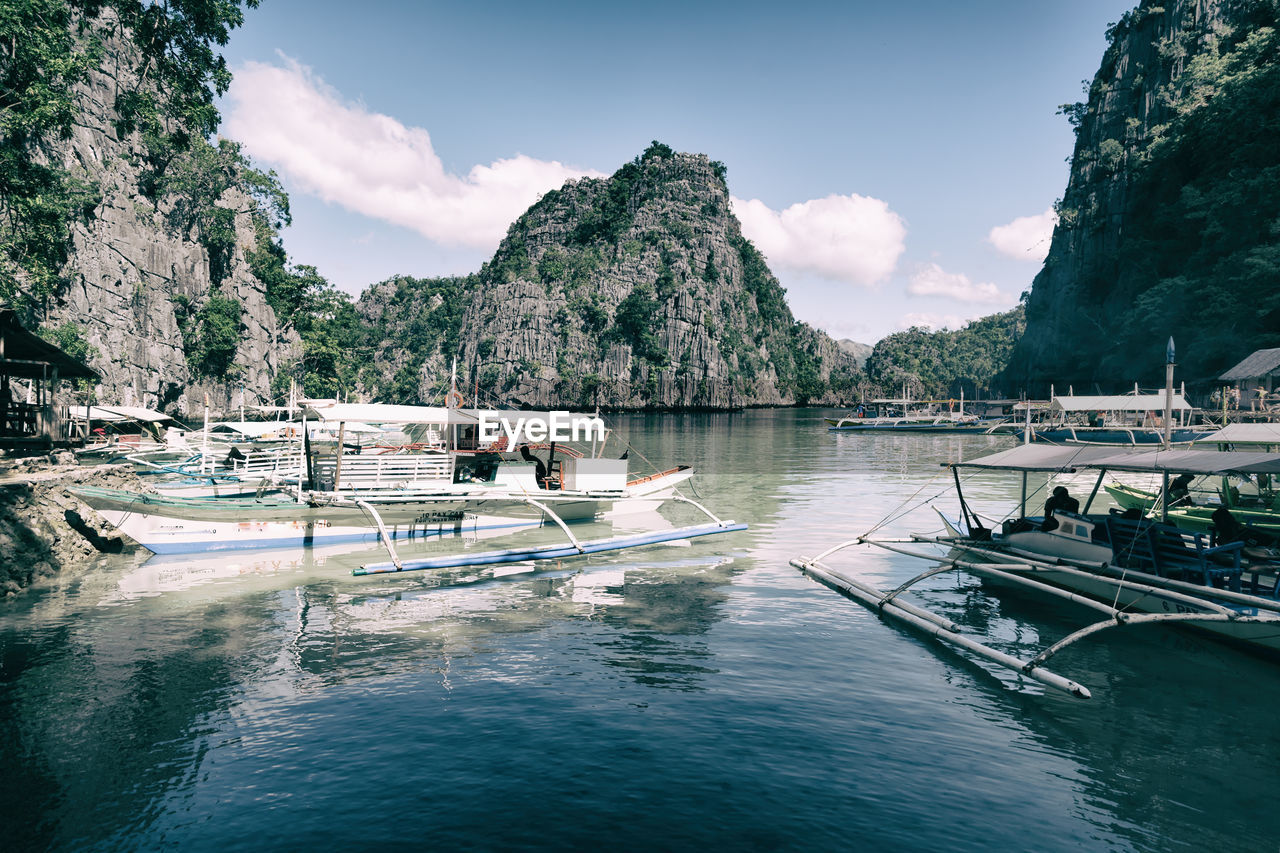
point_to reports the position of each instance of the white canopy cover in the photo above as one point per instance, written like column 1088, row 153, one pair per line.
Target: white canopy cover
column 376, row 413
column 1244, row 434
column 250, row 429
column 1117, row 403
column 1054, row 459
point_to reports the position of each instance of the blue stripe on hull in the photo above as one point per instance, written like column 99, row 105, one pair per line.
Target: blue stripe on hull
column 548, row 552
column 303, row 541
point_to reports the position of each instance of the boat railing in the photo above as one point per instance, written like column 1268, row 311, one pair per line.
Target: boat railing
column 384, row 471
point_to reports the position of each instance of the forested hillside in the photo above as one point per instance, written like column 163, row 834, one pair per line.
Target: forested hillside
column 1171, row 221
column 949, row 362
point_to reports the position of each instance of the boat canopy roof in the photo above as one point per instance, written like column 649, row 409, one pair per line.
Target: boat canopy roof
column 1038, row 457
column 252, row 429
column 1056, row 459
column 1264, row 433
column 114, row 414
column 376, row 413
column 1192, row 462
column 472, row 416
column 1117, row 403
column 382, row 413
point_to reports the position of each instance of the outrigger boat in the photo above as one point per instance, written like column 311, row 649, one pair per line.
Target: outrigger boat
column 1130, row 569
column 458, row 480
column 907, row 415
column 1252, row 501
column 1120, row 420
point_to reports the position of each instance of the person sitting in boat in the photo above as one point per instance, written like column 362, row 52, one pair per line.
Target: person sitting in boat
column 1229, row 529
column 1180, row 491
column 1059, row 501
column 236, row 455
column 540, row 469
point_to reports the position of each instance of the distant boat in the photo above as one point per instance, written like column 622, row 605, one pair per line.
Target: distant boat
column 907, row 415
column 1120, row 420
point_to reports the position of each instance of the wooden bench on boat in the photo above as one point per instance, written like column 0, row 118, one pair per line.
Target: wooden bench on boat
column 1172, row 553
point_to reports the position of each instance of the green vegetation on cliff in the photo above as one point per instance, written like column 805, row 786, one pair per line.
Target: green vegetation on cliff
column 945, row 363
column 47, row 49
column 1171, row 222
column 635, row 291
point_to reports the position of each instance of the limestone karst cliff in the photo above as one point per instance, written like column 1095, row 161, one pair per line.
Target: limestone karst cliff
column 165, row 238
column 1169, row 224
column 636, row 291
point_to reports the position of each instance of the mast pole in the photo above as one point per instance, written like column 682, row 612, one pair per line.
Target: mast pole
column 1168, row 392
column 204, row 442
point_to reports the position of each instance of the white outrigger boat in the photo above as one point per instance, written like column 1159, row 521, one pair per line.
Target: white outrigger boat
column 1132, row 570
column 457, row 480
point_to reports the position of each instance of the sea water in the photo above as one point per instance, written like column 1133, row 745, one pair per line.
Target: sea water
column 704, row 695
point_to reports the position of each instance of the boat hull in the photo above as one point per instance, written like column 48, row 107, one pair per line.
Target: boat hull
column 878, row 425
column 1100, row 585
column 1117, row 436
column 167, row 525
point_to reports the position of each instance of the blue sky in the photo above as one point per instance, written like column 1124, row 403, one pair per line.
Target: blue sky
column 871, row 147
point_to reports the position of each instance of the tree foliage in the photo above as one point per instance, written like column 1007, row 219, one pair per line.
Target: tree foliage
column 945, row 363
column 1196, row 254
column 47, row 48
column 211, row 336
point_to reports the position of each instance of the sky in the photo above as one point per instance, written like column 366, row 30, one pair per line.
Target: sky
column 896, row 163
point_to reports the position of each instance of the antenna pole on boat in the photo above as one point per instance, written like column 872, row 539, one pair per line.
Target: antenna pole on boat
column 1168, row 392
column 304, row 459
column 1026, row 433
column 204, row 444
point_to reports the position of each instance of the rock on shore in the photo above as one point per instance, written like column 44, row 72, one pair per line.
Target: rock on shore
column 44, row 529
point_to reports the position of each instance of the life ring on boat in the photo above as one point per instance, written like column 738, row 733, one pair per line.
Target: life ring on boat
column 454, row 399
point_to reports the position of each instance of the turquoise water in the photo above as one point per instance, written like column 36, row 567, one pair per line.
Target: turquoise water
column 668, row 698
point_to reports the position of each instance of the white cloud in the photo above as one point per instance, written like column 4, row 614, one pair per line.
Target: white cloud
column 850, row 238
column 1025, row 238
column 933, row 280
column 374, row 165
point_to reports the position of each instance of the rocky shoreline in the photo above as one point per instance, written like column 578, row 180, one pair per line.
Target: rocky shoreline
column 44, row 529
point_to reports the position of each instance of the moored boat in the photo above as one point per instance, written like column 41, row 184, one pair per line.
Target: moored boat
column 1131, row 569
column 464, row 479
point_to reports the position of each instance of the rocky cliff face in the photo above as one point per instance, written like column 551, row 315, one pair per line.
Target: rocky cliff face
column 1161, row 148
column 133, row 274
column 637, row 291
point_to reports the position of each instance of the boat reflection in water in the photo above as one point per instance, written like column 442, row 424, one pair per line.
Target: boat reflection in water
column 255, row 571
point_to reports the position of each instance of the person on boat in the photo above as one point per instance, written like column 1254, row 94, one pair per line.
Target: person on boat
column 1059, row 501
column 1180, row 491
column 1229, row 529
column 540, row 467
